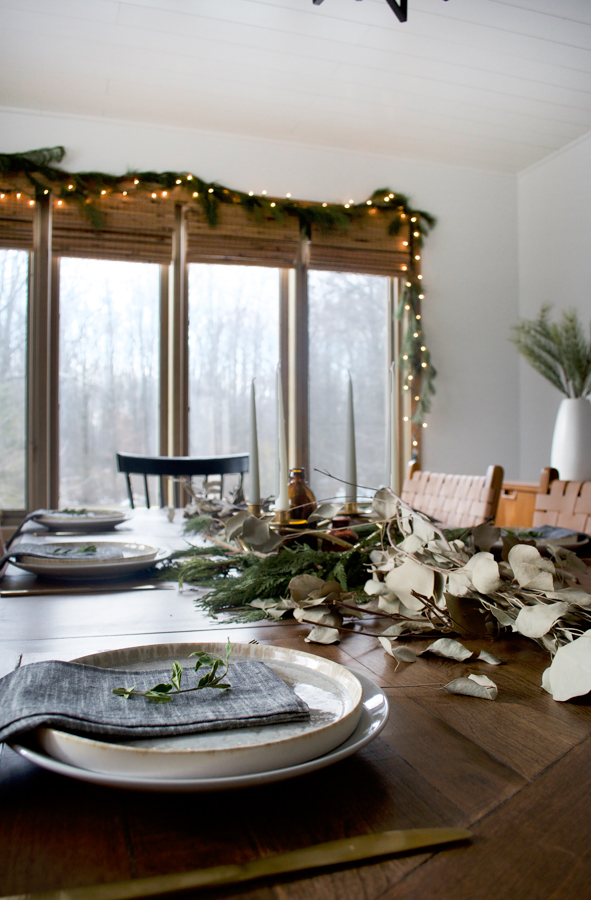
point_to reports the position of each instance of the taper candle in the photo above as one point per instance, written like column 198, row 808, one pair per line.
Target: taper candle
column 350, row 454
column 393, row 467
column 254, row 486
column 282, row 502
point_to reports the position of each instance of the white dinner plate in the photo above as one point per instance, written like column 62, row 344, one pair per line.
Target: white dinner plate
column 332, row 692
column 374, row 715
column 81, row 519
column 133, row 558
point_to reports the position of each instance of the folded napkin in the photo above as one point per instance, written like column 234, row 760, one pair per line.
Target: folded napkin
column 79, row 698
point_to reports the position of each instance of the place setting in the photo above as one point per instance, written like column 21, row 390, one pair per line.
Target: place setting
column 221, row 716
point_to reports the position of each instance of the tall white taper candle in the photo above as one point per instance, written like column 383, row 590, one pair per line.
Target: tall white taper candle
column 350, row 454
column 254, row 486
column 282, row 501
column 393, row 430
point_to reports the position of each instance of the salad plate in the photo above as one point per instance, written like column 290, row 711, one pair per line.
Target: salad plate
column 332, row 693
column 374, row 715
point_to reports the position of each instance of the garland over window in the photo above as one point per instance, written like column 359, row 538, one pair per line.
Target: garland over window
column 29, row 175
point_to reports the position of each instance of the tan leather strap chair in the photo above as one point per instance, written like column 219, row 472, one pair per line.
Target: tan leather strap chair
column 565, row 504
column 458, row 501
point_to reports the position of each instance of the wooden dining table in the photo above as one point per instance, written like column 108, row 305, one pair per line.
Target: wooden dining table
column 516, row 771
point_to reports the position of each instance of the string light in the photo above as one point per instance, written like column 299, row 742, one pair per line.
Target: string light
column 325, row 204
column 407, row 306
column 31, row 203
column 405, row 243
column 405, row 418
column 346, row 206
column 288, row 195
column 2, row 196
column 210, row 190
column 251, row 193
column 402, row 216
column 59, row 202
column 18, row 196
column 423, row 349
column 408, row 284
column 417, row 398
column 405, row 387
column 415, row 443
column 417, row 317
column 368, row 202
column 404, row 268
column 424, row 365
column 165, row 193
column 178, row 181
column 424, row 424
column 136, row 181
column 421, row 296
column 263, row 193
column 405, row 357
column 416, row 334
column 413, row 219
column 391, row 196
column 153, row 196
column 189, row 178
column 419, row 277
column 386, row 199
column 103, row 192
column 410, row 377
column 417, row 256
column 124, row 194
column 46, row 191
column 70, row 187
column 273, row 204
column 195, row 194
column 416, row 233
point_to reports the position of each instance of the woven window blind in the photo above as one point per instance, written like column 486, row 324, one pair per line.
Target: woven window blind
column 140, row 229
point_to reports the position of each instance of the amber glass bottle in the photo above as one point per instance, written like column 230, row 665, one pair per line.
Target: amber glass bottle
column 302, row 501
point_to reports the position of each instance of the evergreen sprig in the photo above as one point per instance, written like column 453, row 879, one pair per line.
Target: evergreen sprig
column 164, row 692
column 558, row 351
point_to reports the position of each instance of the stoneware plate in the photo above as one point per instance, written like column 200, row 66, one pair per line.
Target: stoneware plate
column 332, row 692
column 82, row 520
column 374, row 715
column 132, row 558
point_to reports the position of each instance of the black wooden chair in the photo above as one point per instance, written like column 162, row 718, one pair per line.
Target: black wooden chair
column 175, row 467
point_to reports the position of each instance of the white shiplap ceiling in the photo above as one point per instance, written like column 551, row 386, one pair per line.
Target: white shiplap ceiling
column 496, row 84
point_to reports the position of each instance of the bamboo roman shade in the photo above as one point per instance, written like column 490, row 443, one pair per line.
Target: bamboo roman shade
column 140, row 229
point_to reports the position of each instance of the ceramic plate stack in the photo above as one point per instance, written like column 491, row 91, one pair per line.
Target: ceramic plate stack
column 88, row 559
column 87, row 520
column 347, row 712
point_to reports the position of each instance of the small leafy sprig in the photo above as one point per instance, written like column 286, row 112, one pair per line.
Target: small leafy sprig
column 164, row 693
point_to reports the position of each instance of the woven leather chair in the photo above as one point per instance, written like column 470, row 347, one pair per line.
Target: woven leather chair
column 457, row 501
column 175, row 467
column 565, row 504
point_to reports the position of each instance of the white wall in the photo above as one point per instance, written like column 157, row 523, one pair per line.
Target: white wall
column 469, row 262
column 554, row 267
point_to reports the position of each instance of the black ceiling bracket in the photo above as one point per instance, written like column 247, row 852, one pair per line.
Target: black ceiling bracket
column 400, row 10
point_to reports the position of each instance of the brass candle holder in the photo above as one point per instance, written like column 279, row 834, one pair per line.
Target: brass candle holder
column 282, row 517
column 254, row 509
column 351, row 508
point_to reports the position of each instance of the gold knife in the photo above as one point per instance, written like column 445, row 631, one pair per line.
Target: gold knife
column 346, row 850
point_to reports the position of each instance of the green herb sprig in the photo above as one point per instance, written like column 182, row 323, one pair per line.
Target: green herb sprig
column 164, row 693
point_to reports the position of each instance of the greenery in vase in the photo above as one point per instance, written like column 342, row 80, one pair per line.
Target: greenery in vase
column 559, row 351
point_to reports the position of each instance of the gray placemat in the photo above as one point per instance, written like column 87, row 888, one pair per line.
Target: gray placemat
column 79, row 698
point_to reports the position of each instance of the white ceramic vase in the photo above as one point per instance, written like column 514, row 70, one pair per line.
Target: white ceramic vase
column 571, row 445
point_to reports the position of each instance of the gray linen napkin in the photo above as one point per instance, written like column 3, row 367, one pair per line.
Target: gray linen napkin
column 79, row 698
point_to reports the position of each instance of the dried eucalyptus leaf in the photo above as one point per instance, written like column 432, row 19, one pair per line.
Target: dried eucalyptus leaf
column 409, row 626
column 412, row 543
column 422, row 529
column 325, row 511
column 264, row 603
column 566, row 557
column 402, row 654
column 473, row 686
column 322, row 635
column 570, row 672
column 489, row 658
column 469, row 617
column 530, row 568
column 389, row 603
column 571, row 595
column 510, row 541
column 321, row 615
column 536, row 621
column 449, row 649
column 408, row 577
column 485, row 575
column 375, row 588
column 385, row 503
column 257, row 535
column 485, row 536
column 302, row 585
column 502, row 617
column 459, row 583
column 235, row 524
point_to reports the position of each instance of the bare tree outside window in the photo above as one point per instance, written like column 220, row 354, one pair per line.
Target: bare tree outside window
column 109, row 332
column 347, row 318
column 14, row 265
column 233, row 338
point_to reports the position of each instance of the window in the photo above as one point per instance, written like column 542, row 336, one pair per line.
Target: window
column 233, row 338
column 14, row 266
column 109, row 353
column 347, row 333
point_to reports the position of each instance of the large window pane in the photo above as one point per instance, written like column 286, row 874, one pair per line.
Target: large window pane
column 13, row 364
column 233, row 337
column 109, row 330
column 347, row 328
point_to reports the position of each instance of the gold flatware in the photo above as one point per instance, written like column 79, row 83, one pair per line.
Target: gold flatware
column 102, row 589
column 346, row 850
